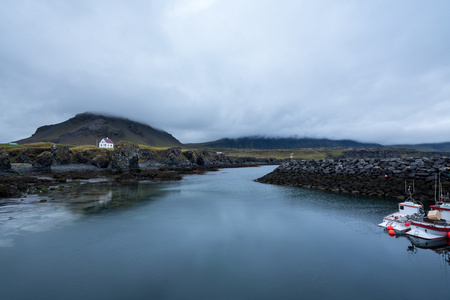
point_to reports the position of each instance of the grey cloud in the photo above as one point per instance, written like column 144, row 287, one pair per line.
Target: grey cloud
column 375, row 71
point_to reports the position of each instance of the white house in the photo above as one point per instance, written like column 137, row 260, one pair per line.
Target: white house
column 106, row 143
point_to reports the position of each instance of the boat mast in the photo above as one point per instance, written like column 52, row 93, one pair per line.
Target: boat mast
column 435, row 186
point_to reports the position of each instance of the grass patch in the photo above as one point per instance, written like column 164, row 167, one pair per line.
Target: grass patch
column 278, row 153
column 84, row 147
column 32, row 145
column 153, row 148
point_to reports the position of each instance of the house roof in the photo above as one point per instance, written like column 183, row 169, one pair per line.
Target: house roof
column 108, row 141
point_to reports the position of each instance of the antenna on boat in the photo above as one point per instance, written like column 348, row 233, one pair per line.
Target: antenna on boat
column 408, row 190
column 438, row 197
column 435, row 186
column 408, row 187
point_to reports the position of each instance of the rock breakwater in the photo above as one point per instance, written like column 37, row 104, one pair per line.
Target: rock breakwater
column 370, row 176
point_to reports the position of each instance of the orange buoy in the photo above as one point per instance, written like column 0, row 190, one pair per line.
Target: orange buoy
column 407, row 224
column 391, row 232
column 390, row 227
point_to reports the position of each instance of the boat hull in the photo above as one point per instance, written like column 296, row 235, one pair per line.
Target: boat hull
column 428, row 231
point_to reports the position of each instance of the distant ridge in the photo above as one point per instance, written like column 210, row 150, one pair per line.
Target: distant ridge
column 426, row 147
column 89, row 129
column 280, row 143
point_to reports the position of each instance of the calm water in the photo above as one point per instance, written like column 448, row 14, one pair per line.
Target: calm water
column 213, row 236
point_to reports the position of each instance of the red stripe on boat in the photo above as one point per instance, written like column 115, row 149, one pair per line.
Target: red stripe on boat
column 439, row 208
column 443, row 228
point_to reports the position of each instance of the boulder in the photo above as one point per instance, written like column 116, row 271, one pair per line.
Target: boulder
column 61, row 155
column 101, row 159
column 190, row 155
column 172, row 157
column 125, row 156
column 5, row 163
column 200, row 161
column 43, row 162
column 147, row 155
column 23, row 156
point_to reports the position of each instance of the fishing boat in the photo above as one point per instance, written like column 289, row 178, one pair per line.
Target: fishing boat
column 400, row 221
column 436, row 225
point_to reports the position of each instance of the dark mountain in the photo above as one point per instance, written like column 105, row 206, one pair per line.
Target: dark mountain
column 89, row 129
column 280, row 143
column 426, row 147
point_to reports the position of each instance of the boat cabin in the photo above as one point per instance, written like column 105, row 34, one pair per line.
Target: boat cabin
column 410, row 208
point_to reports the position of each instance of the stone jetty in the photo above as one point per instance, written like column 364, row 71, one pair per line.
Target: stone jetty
column 370, row 176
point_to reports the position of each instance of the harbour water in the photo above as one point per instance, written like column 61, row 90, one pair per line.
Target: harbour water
column 214, row 236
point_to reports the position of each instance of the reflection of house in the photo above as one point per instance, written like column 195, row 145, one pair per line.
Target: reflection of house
column 106, row 143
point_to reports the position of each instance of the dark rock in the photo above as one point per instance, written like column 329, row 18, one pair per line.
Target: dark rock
column 189, row 154
column 172, row 157
column 385, row 179
column 147, row 155
column 4, row 192
column 43, row 162
column 101, row 160
column 23, row 157
column 200, row 161
column 5, row 163
column 61, row 155
column 125, row 156
column 83, row 157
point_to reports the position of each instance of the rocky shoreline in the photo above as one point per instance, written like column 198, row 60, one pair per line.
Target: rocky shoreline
column 38, row 171
column 370, row 176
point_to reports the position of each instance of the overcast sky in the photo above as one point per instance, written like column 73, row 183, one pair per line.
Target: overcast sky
column 372, row 71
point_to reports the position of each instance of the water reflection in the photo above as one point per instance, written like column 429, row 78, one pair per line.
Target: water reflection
column 440, row 247
column 359, row 213
column 102, row 197
column 37, row 213
column 220, row 235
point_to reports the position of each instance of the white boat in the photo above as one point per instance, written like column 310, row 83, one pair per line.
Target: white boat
column 400, row 221
column 435, row 226
column 437, row 223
